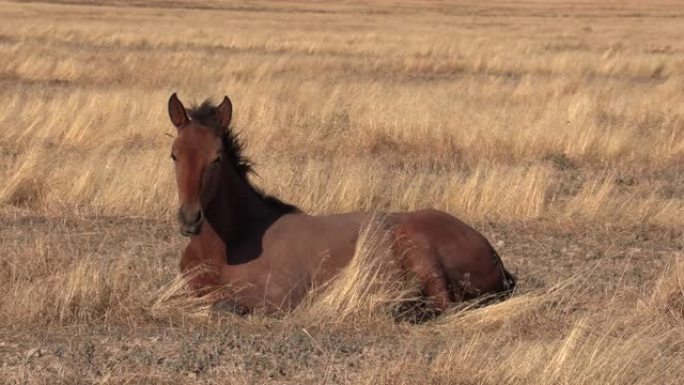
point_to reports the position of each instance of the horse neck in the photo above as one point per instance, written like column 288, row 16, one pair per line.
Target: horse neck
column 238, row 211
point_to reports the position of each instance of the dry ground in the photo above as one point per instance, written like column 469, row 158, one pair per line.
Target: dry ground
column 556, row 129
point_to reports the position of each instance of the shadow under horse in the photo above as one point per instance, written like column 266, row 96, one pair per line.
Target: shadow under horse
column 258, row 253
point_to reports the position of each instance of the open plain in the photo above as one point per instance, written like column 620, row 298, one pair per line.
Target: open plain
column 555, row 128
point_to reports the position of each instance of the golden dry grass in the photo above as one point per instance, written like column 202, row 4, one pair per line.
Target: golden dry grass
column 555, row 128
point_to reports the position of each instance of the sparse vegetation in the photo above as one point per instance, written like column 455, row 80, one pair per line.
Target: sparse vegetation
column 555, row 128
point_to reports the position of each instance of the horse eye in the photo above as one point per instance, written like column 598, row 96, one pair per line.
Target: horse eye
column 174, row 157
column 216, row 161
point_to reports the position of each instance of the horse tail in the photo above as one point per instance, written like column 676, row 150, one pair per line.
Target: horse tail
column 509, row 280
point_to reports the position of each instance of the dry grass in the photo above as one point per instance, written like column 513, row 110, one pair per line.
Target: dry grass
column 555, row 128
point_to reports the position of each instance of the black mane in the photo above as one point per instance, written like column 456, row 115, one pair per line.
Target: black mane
column 233, row 147
column 205, row 114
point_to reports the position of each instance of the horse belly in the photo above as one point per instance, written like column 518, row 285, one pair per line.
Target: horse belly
column 307, row 252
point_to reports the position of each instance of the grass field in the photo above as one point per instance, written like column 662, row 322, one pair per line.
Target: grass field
column 555, row 128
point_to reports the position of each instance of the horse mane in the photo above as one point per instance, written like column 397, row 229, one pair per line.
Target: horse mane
column 234, row 147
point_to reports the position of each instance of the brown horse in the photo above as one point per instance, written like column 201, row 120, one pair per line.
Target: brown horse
column 269, row 253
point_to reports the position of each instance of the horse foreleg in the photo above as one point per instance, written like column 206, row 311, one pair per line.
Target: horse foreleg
column 203, row 279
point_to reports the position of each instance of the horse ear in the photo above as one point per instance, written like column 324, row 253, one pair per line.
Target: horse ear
column 224, row 112
column 177, row 112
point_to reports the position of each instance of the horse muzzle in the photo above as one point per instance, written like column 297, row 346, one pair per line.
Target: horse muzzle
column 190, row 224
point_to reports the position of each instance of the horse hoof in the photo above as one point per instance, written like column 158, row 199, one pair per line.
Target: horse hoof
column 229, row 307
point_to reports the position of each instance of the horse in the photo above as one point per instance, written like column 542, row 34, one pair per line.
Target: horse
column 270, row 254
